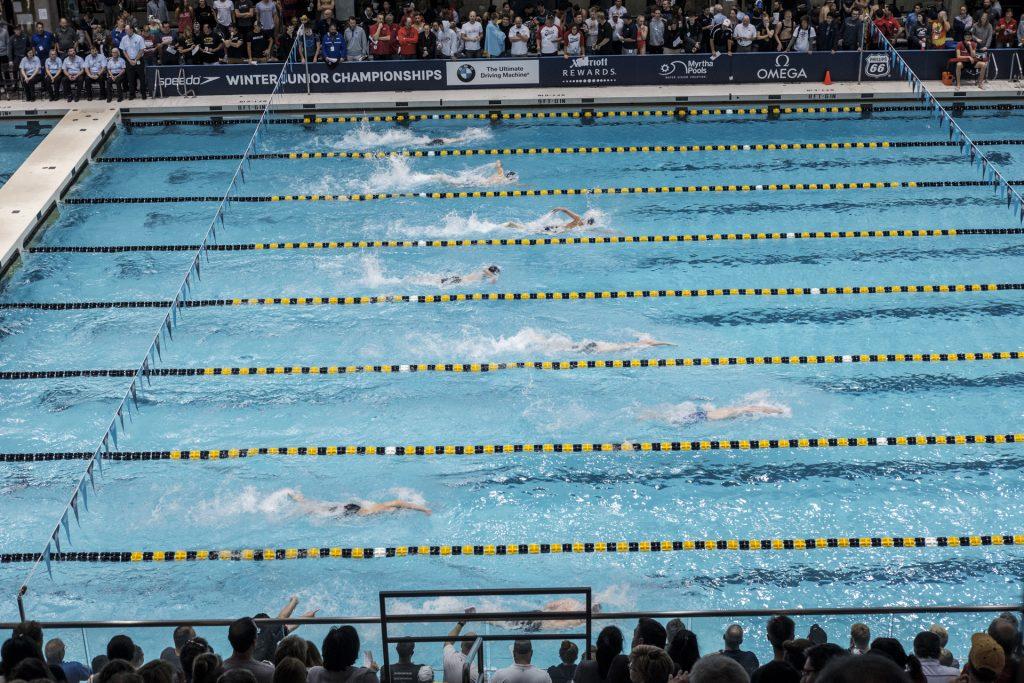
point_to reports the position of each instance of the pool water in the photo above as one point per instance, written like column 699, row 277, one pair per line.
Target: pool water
column 788, row 493
column 17, row 140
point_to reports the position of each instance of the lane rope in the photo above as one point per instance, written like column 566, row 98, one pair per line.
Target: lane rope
column 517, row 296
column 472, row 367
column 520, row 448
column 408, row 116
column 535, row 241
column 534, row 548
column 555, row 192
column 530, row 151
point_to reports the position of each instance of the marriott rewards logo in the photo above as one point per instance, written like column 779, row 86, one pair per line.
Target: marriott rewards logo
column 589, row 70
column 243, row 82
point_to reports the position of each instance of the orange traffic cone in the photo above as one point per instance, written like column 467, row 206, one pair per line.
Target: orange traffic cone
column 828, row 77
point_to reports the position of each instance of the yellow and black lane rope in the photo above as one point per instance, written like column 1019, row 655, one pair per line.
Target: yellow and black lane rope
column 531, row 151
column 554, row 192
column 692, row 446
column 265, row 554
column 522, row 296
column 536, row 241
column 475, row 367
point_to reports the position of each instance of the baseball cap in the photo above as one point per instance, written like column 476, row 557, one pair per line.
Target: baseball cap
column 986, row 653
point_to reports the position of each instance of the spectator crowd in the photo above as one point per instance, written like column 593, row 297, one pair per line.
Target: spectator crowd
column 657, row 654
column 105, row 52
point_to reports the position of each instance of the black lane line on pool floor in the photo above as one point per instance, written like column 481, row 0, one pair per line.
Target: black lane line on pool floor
column 522, row 296
column 536, row 241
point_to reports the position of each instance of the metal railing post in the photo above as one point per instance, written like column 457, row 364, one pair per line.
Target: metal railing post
column 21, row 602
column 383, row 633
column 590, row 619
column 475, row 652
column 860, row 55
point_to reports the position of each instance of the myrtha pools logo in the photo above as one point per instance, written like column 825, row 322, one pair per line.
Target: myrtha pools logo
column 466, row 73
column 683, row 69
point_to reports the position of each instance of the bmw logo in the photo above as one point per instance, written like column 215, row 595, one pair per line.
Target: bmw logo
column 466, row 73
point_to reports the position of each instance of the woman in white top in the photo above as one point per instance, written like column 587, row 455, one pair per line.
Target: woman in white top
column 574, row 44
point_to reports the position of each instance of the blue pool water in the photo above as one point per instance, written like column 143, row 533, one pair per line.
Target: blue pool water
column 926, row 490
column 17, row 140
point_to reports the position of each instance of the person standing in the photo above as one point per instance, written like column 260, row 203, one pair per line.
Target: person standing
column 132, row 46
column 744, row 34
column 116, row 69
column 245, row 18
column 355, row 41
column 472, row 33
column 628, row 35
column 494, row 44
column 333, row 47
column 42, row 40
column 522, row 670
column 408, row 38
column 733, row 638
column 380, row 39
column 519, row 38
column 549, row 38
column 270, row 18
column 656, row 33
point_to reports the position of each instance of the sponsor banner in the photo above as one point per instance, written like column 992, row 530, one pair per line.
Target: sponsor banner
column 259, row 79
column 495, row 73
column 557, row 72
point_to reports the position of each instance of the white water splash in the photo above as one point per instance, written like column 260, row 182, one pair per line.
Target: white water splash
column 367, row 137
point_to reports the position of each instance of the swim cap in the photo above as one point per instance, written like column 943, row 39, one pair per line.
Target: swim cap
column 590, row 221
column 511, row 175
column 493, row 269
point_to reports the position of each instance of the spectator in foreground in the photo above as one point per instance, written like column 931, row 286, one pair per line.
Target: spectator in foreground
column 927, row 648
column 796, row 652
column 522, row 669
column 682, row 646
column 717, row 669
column 15, row 650
column 867, row 669
column 597, row 668
column 290, row 670
column 649, row 632
column 945, row 657
column 242, row 636
column 340, row 650
column 1004, row 632
column 172, row 655
column 207, row 668
column 651, row 664
column 818, row 657
column 780, row 629
column 76, row 672
column 893, row 649
column 564, row 672
column 860, row 637
column 454, row 659
column 776, row 672
column 985, row 662
column 733, row 638
column 157, row 671
column 121, row 647
column 404, row 671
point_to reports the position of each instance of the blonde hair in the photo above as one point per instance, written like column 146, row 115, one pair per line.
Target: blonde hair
column 652, row 663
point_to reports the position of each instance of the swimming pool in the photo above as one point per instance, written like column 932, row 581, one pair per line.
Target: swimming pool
column 528, row 497
column 17, row 140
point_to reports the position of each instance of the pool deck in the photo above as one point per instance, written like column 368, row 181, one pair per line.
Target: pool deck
column 522, row 97
column 38, row 183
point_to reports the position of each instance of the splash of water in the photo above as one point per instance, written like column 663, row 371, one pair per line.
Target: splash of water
column 366, row 137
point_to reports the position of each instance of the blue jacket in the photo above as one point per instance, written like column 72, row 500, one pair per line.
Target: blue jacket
column 334, row 46
column 43, row 42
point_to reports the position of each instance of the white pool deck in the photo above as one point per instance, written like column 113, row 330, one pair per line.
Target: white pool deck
column 33, row 191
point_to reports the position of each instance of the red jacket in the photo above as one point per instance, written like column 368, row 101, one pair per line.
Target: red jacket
column 408, row 37
column 384, row 45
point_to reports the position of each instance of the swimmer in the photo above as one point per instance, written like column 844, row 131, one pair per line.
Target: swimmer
column 499, row 177
column 326, row 509
column 643, row 341
column 575, row 221
column 560, row 605
column 687, row 413
column 458, row 139
column 490, row 273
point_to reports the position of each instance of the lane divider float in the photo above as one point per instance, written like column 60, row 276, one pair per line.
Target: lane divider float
column 264, row 554
column 530, row 151
column 518, row 296
column 555, row 192
column 695, row 446
column 474, row 367
column 534, row 241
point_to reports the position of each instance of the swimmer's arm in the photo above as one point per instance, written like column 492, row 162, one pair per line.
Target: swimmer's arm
column 729, row 412
column 567, row 212
column 391, row 506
